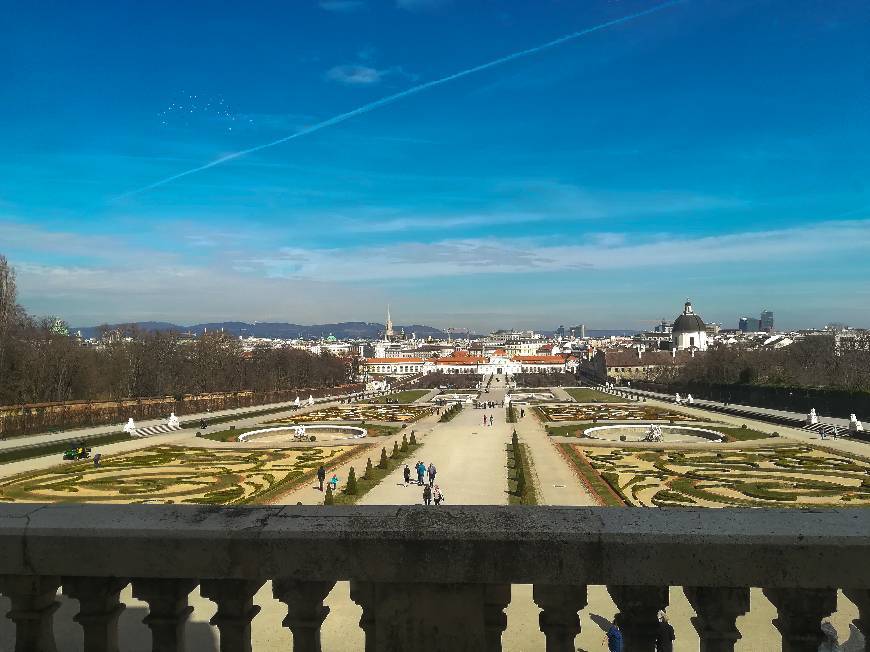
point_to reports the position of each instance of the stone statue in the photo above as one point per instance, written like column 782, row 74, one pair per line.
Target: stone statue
column 654, row 434
column 296, row 402
column 812, row 418
column 299, row 432
column 677, row 398
column 854, row 424
column 173, row 421
column 689, row 399
column 130, row 427
column 310, row 400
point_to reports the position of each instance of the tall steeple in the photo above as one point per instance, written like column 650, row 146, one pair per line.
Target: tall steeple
column 388, row 333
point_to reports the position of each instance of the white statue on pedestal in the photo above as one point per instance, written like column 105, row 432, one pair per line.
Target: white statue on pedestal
column 130, row 427
column 296, row 402
column 689, row 399
column 677, row 398
column 654, row 433
column 310, row 400
column 173, row 421
column 812, row 417
column 854, row 424
column 299, row 432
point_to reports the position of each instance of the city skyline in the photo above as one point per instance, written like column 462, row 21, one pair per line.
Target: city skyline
column 698, row 150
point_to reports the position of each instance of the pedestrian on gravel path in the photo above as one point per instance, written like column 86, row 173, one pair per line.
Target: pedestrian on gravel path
column 421, row 471
column 427, row 495
column 407, row 475
column 437, row 495
column 484, row 419
column 490, row 419
column 321, row 476
column 432, row 471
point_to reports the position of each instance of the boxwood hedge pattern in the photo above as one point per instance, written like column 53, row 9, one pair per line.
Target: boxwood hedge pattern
column 788, row 476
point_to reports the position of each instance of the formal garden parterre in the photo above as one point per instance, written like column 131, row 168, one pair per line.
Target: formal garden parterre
column 395, row 413
column 610, row 412
column 174, row 474
column 772, row 476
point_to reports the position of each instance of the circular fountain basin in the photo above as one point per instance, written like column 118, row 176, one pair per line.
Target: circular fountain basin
column 670, row 434
column 285, row 434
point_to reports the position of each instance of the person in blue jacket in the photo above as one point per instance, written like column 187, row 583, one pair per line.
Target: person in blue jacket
column 614, row 639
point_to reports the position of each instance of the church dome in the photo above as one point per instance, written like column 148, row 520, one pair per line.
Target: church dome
column 689, row 322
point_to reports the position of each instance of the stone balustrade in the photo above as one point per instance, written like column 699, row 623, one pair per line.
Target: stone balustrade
column 463, row 561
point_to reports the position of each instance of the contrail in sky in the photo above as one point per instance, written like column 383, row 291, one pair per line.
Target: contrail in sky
column 389, row 99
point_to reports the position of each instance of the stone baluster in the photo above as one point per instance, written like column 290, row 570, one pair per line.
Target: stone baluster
column 99, row 610
column 861, row 598
column 799, row 616
column 638, row 614
column 496, row 598
column 33, row 606
column 167, row 610
column 717, row 611
column 305, row 610
column 363, row 593
column 559, row 619
column 235, row 610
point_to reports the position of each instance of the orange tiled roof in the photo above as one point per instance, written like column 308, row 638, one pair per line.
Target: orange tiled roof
column 461, row 359
column 540, row 359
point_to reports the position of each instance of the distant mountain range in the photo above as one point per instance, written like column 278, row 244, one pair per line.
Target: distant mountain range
column 343, row 330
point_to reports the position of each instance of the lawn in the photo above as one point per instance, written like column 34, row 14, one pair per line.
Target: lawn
column 731, row 434
column 406, row 396
column 742, row 434
column 60, row 447
column 589, row 395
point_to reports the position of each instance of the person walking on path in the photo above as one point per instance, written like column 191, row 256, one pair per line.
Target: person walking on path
column 484, row 419
column 97, row 459
column 321, row 476
column 427, row 495
column 407, row 475
column 421, row 471
column 490, row 420
column 432, row 471
column 334, row 482
column 665, row 634
column 614, row 639
column 522, row 412
column 437, row 495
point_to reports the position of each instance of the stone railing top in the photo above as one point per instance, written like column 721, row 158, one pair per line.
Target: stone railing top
column 685, row 547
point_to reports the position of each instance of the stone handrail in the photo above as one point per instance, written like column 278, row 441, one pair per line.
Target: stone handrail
column 799, row 557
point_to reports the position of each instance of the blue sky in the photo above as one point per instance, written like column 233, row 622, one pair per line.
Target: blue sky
column 713, row 150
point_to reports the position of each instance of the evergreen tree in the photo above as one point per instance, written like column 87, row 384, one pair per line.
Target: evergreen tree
column 368, row 473
column 413, row 440
column 395, row 449
column 329, row 499
column 404, row 447
column 383, row 463
column 350, row 485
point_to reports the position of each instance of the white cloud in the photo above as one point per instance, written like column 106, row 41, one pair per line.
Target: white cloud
column 355, row 75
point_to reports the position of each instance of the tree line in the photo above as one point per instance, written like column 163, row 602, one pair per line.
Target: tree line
column 40, row 363
column 811, row 362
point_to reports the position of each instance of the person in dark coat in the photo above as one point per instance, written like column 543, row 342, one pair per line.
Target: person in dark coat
column 427, row 495
column 407, row 475
column 321, row 476
column 665, row 634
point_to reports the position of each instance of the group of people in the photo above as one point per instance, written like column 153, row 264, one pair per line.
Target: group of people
column 485, row 422
column 426, row 479
column 486, row 405
column 664, row 636
column 321, row 478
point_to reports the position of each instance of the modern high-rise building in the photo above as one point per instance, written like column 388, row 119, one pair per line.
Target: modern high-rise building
column 749, row 325
column 767, row 320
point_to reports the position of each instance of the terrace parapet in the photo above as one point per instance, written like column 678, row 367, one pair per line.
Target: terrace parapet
column 800, row 559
